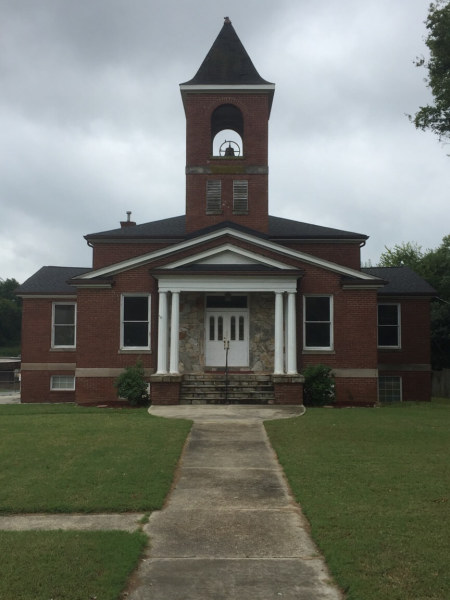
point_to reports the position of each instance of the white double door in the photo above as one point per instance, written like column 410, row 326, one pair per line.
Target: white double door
column 230, row 325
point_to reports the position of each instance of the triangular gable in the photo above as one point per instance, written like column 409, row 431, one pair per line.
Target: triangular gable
column 257, row 242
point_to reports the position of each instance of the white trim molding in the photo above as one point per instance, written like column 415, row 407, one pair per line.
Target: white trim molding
column 216, row 235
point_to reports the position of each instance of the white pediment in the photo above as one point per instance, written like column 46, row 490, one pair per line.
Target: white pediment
column 228, row 254
column 227, row 257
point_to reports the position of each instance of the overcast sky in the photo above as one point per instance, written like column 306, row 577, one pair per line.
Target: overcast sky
column 92, row 124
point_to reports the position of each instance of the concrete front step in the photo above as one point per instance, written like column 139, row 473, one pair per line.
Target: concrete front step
column 215, row 388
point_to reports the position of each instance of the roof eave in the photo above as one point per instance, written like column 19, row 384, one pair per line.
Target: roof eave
column 229, row 88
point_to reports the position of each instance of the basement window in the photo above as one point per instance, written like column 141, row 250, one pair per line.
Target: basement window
column 390, row 389
column 62, row 382
column 135, row 322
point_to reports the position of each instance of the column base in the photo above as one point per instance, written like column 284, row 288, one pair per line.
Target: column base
column 165, row 389
column 288, row 389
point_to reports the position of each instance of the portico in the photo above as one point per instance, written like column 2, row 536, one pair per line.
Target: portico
column 281, row 287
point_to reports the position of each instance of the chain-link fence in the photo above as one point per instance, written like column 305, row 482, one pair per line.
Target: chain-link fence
column 10, row 382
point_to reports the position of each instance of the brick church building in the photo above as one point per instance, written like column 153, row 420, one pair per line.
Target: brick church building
column 226, row 285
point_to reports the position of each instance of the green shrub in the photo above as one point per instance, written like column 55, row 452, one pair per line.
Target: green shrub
column 318, row 388
column 131, row 385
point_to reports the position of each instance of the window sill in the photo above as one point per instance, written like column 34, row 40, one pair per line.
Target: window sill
column 63, row 349
column 134, row 351
column 389, row 348
column 318, row 351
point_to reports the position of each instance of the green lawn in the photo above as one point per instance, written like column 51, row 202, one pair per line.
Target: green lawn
column 65, row 458
column 67, row 565
column 375, row 487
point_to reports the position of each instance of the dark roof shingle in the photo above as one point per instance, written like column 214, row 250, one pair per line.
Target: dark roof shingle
column 51, row 280
column 227, row 62
column 175, row 228
column 401, row 281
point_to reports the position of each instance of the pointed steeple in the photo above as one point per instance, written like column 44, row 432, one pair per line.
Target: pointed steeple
column 227, row 96
column 227, row 62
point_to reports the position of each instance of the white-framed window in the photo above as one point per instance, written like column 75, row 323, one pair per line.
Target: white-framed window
column 240, row 196
column 389, row 388
column 389, row 335
column 318, row 322
column 135, row 322
column 62, row 382
column 213, row 196
column 64, row 317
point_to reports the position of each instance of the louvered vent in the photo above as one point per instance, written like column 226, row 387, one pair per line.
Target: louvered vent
column 240, row 196
column 213, row 196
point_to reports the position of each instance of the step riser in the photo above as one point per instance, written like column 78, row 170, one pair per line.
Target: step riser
column 237, row 389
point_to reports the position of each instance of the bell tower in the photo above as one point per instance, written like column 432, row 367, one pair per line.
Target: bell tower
column 227, row 106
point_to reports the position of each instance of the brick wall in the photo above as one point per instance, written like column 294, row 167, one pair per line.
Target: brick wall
column 99, row 322
column 35, row 387
column 111, row 253
column 97, row 390
column 415, row 332
column 346, row 254
column 356, row 391
column 255, row 112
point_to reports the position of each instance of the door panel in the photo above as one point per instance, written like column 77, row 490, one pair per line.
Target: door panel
column 233, row 326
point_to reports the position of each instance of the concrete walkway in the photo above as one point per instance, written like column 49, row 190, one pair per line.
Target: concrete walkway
column 230, row 529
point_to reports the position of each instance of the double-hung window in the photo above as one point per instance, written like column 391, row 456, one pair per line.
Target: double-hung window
column 318, row 322
column 135, row 322
column 389, row 326
column 64, row 316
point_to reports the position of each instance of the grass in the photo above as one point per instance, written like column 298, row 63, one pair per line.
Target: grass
column 374, row 485
column 12, row 350
column 67, row 565
column 65, row 458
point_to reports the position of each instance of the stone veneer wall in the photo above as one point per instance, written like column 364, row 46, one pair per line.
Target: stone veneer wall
column 262, row 317
column 192, row 334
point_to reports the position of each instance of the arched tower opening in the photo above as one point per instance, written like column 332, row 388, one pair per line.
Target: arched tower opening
column 227, row 131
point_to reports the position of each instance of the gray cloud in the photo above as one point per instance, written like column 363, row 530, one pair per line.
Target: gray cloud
column 92, row 122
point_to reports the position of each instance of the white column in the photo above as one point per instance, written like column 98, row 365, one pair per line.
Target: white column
column 278, row 358
column 292, row 335
column 174, row 332
column 163, row 328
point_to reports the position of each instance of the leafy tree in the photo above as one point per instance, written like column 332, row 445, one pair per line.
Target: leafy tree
column 434, row 266
column 10, row 313
column 406, row 253
column 436, row 117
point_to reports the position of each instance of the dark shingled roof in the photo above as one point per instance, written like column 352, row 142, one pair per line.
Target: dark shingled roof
column 227, row 62
column 401, row 281
column 51, row 280
column 175, row 228
column 287, row 228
